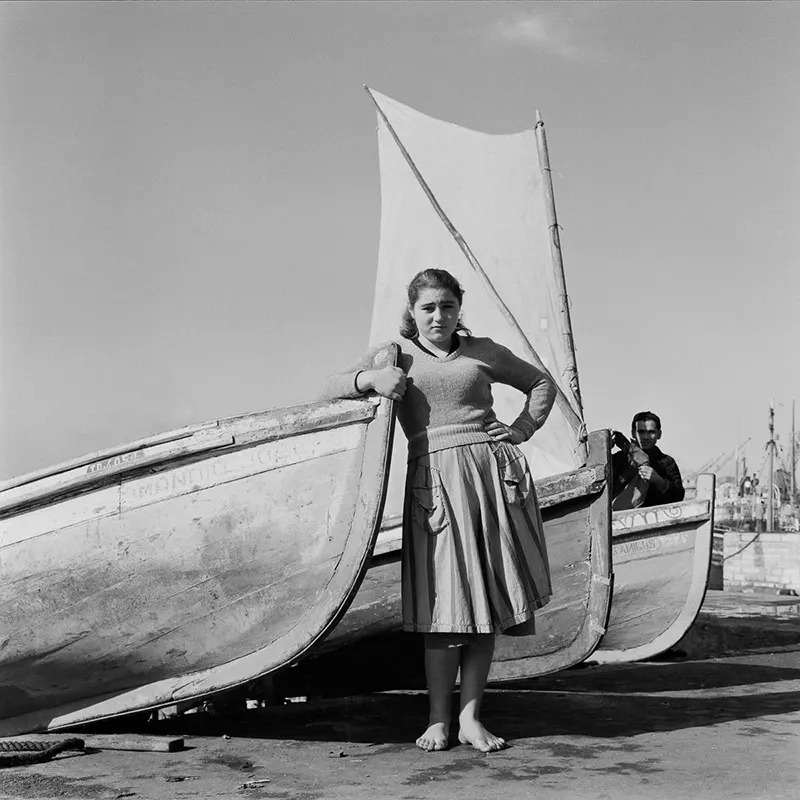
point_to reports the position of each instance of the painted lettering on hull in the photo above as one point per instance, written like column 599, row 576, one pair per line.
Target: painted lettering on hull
column 237, row 465
column 637, row 547
column 639, row 518
column 115, row 461
column 647, row 546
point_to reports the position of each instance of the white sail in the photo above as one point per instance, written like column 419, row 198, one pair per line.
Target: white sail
column 491, row 188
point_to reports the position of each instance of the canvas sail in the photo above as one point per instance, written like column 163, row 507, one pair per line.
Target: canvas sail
column 491, row 189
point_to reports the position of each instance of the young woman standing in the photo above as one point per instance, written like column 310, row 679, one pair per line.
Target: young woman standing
column 474, row 556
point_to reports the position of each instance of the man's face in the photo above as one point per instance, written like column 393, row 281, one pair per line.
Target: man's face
column 647, row 434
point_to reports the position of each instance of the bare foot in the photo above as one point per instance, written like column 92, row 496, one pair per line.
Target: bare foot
column 472, row 732
column 435, row 738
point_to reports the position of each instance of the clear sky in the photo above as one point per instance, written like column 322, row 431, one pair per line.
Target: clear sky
column 189, row 203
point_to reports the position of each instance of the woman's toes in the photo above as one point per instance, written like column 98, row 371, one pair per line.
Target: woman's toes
column 435, row 738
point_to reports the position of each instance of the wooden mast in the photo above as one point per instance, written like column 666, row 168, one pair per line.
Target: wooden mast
column 558, row 263
column 771, row 486
column 794, row 461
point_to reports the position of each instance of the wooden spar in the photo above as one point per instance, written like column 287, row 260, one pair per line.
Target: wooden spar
column 771, row 485
column 794, row 461
column 564, row 404
column 558, row 264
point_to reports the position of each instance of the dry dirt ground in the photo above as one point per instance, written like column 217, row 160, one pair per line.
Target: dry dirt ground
column 720, row 728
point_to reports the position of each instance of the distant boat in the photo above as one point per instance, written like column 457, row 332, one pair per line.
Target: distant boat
column 757, row 502
column 662, row 557
column 481, row 206
column 185, row 564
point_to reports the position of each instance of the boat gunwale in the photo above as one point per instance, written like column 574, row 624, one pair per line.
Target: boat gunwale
column 651, row 529
column 178, row 449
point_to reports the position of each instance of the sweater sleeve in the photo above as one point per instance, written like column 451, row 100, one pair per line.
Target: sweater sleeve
column 342, row 385
column 539, row 390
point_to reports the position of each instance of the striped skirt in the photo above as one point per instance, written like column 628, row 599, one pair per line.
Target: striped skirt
column 474, row 555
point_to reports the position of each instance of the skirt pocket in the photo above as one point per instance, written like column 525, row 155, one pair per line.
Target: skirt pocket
column 429, row 501
column 515, row 477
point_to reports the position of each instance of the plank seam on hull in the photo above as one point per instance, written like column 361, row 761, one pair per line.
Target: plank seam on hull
column 223, row 440
column 132, row 579
column 170, row 437
column 224, row 482
column 120, row 510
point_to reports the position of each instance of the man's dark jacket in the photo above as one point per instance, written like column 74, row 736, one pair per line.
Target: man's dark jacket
column 666, row 467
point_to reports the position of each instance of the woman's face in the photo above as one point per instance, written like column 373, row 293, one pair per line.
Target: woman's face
column 436, row 314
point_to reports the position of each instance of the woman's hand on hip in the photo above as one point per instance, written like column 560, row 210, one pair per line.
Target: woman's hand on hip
column 504, row 433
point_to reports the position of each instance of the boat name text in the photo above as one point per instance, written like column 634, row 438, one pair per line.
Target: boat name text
column 115, row 461
column 639, row 546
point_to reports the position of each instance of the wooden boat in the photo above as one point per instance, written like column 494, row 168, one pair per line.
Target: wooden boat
column 576, row 509
column 662, row 558
column 569, row 626
column 185, row 564
column 506, row 254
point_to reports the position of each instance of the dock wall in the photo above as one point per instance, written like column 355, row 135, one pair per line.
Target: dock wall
column 761, row 561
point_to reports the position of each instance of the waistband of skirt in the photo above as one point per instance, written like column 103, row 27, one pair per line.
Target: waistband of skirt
column 445, row 436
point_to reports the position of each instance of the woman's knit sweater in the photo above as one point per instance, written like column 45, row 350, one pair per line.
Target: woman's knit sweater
column 448, row 400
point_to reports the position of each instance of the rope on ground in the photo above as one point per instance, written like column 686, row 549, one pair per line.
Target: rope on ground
column 18, row 753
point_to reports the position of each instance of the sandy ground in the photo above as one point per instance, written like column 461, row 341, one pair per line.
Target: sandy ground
column 700, row 727
column 720, row 728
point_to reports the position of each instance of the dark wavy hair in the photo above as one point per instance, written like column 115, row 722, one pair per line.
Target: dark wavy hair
column 644, row 416
column 430, row 279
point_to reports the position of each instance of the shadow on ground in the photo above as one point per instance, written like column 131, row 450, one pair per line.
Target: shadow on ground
column 602, row 702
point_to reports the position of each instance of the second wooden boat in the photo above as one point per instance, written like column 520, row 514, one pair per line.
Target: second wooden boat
column 662, row 556
column 185, row 564
column 566, row 629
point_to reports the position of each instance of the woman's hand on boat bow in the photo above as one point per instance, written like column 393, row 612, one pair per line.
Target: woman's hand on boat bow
column 389, row 382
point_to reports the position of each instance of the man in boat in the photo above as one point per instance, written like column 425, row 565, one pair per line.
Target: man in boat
column 643, row 474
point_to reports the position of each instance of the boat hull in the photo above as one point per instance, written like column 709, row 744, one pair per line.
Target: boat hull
column 576, row 510
column 577, row 530
column 662, row 557
column 154, row 587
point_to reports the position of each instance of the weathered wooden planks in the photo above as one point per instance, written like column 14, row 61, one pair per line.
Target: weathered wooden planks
column 577, row 529
column 186, row 444
column 661, row 557
column 116, row 741
column 215, row 569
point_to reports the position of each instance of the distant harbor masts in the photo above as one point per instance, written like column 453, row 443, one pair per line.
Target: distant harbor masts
column 771, row 455
column 793, row 479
